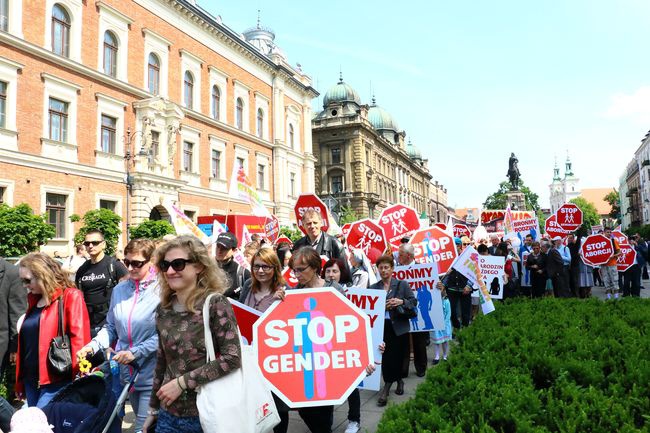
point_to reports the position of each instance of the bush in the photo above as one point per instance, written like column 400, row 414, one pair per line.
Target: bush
column 292, row 233
column 551, row 365
column 105, row 220
column 21, row 231
column 150, row 229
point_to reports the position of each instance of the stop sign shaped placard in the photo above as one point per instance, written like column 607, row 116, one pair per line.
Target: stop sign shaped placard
column 569, row 217
column 626, row 259
column 620, row 237
column 367, row 236
column 399, row 221
column 461, row 230
column 596, row 250
column 345, row 229
column 553, row 229
column 433, row 245
column 310, row 201
column 313, row 347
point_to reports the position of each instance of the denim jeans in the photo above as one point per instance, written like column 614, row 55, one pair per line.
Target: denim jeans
column 40, row 397
column 140, row 403
column 168, row 423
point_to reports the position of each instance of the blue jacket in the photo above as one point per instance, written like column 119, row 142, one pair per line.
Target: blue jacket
column 131, row 324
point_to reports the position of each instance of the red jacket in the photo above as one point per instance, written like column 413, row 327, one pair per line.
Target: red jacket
column 76, row 326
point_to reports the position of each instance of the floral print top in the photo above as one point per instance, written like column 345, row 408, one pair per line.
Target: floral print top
column 181, row 351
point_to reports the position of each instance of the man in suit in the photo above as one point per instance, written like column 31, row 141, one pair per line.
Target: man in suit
column 325, row 244
column 13, row 304
column 555, row 268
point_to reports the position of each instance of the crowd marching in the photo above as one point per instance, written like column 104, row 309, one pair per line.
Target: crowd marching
column 146, row 310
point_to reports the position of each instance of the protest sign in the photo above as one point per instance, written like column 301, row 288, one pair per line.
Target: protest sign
column 461, row 230
column 272, row 228
column 367, row 236
column 313, row 348
column 596, row 250
column 373, row 303
column 595, row 229
column 441, row 226
column 290, row 278
column 493, row 270
column 246, row 317
column 433, row 245
column 422, row 279
column 345, row 229
column 467, row 264
column 569, row 217
column 620, row 237
column 524, row 252
column 311, row 201
column 553, row 229
column 398, row 221
column 626, row 259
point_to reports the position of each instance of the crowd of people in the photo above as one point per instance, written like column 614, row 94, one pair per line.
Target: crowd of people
column 147, row 309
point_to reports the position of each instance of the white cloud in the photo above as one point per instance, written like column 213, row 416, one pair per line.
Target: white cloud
column 635, row 106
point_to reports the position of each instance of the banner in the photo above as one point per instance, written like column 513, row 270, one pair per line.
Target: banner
column 373, row 303
column 523, row 222
column 524, row 252
column 493, row 270
column 422, row 279
column 467, row 263
column 241, row 187
column 185, row 226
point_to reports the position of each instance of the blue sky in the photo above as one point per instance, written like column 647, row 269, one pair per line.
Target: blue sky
column 472, row 81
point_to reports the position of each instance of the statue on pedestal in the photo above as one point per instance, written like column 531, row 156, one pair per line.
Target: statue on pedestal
column 513, row 172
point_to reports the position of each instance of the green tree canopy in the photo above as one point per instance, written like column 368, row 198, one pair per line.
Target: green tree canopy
column 151, row 229
column 589, row 215
column 21, row 231
column 292, row 233
column 498, row 199
column 105, row 220
column 347, row 215
column 614, row 200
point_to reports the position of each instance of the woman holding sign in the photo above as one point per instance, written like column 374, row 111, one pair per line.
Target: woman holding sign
column 399, row 302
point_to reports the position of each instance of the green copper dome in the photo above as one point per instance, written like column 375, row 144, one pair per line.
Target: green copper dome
column 412, row 151
column 380, row 119
column 341, row 92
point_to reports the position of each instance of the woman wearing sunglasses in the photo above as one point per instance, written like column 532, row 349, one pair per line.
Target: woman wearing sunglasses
column 48, row 285
column 189, row 275
column 130, row 325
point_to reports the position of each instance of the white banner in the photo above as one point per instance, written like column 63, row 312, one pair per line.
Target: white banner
column 422, row 279
column 493, row 270
column 468, row 265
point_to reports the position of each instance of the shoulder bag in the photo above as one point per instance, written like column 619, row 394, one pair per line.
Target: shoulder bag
column 402, row 311
column 240, row 401
column 59, row 355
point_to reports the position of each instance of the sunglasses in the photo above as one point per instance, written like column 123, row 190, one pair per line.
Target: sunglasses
column 26, row 281
column 466, row 245
column 136, row 264
column 176, row 264
column 264, row 268
column 93, row 243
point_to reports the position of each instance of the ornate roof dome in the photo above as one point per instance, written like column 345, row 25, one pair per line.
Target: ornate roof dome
column 412, row 151
column 380, row 119
column 341, row 92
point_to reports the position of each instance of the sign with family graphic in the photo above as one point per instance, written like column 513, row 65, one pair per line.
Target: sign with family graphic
column 492, row 268
column 467, row 264
column 399, row 221
column 367, row 236
column 422, row 278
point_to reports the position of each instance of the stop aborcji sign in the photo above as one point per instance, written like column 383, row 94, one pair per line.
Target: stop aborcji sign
column 313, row 347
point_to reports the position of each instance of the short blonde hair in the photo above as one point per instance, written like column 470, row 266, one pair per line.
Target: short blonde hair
column 48, row 272
column 210, row 280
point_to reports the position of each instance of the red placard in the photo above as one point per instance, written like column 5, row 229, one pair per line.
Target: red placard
column 441, row 226
column 569, row 217
column 367, row 236
column 399, row 221
column 290, row 278
column 461, row 230
column 433, row 245
column 313, row 347
column 311, row 201
column 246, row 317
column 627, row 257
column 283, row 239
column 620, row 237
column 345, row 229
column 272, row 228
column 596, row 250
column 553, row 229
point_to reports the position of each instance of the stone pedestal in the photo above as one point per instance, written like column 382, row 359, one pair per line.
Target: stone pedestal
column 516, row 200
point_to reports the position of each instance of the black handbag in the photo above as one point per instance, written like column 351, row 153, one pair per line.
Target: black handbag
column 406, row 312
column 60, row 355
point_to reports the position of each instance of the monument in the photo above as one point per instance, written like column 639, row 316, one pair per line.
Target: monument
column 515, row 198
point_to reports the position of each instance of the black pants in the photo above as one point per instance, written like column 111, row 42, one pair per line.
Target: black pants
column 632, row 281
column 538, row 284
column 561, row 284
column 392, row 361
column 283, row 411
column 318, row 419
column 456, row 300
column 597, row 280
column 354, row 406
column 418, row 344
column 6, row 412
column 574, row 280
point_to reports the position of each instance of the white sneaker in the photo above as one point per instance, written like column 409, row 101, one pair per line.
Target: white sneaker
column 353, row 427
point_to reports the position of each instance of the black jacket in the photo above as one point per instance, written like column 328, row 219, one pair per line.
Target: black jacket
column 398, row 289
column 13, row 304
column 455, row 281
column 328, row 246
column 237, row 276
column 554, row 263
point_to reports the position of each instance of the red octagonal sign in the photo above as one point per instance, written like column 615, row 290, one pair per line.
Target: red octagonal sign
column 310, row 201
column 367, row 236
column 433, row 245
column 399, row 221
column 553, row 229
column 461, row 230
column 569, row 217
column 313, row 347
column 596, row 250
column 626, row 259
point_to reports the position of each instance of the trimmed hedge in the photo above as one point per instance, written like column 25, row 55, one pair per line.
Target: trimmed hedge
column 550, row 365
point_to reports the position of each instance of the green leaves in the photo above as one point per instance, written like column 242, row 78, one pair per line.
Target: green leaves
column 105, row 220
column 151, row 229
column 21, row 231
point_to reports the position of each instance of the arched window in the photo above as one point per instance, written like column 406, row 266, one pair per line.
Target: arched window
column 110, row 54
column 260, row 123
column 292, row 136
column 60, row 31
column 239, row 114
column 188, row 90
column 215, row 102
column 153, row 74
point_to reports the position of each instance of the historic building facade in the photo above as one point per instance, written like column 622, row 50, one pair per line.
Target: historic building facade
column 363, row 161
column 131, row 105
column 563, row 189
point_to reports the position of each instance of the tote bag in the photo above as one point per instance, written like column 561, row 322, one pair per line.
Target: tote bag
column 240, row 401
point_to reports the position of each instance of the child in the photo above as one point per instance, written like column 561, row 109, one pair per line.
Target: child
column 441, row 338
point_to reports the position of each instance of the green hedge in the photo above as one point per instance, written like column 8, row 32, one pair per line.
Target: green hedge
column 552, row 365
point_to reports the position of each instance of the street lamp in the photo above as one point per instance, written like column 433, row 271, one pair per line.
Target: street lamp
column 130, row 159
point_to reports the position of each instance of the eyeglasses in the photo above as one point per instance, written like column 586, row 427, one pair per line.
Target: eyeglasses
column 264, row 268
column 176, row 264
column 136, row 264
column 26, row 281
column 93, row 243
column 466, row 245
column 300, row 270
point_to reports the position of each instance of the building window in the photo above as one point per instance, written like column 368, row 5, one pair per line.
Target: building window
column 239, row 114
column 292, row 136
column 260, row 176
column 153, row 74
column 190, row 214
column 60, row 31
column 108, row 204
column 188, row 90
column 58, row 120
column 292, row 184
column 4, row 15
column 260, row 123
column 215, row 101
column 188, row 150
column 215, row 164
column 109, row 125
column 336, row 155
column 110, row 54
column 337, row 184
column 3, row 104
column 155, row 144
column 240, row 162
column 55, row 210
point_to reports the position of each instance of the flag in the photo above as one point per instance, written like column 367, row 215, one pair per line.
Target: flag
column 185, row 226
column 241, row 187
column 508, row 225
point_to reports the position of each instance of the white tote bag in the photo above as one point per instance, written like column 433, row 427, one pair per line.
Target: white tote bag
column 240, row 401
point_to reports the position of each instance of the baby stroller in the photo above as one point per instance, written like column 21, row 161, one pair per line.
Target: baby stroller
column 89, row 405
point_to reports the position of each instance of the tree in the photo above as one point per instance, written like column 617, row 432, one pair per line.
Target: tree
column 498, row 200
column 347, row 215
column 589, row 215
column 151, row 229
column 105, row 220
column 614, row 200
column 292, row 233
column 21, row 231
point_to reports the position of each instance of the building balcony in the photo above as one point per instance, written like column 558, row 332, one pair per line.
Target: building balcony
column 645, row 162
